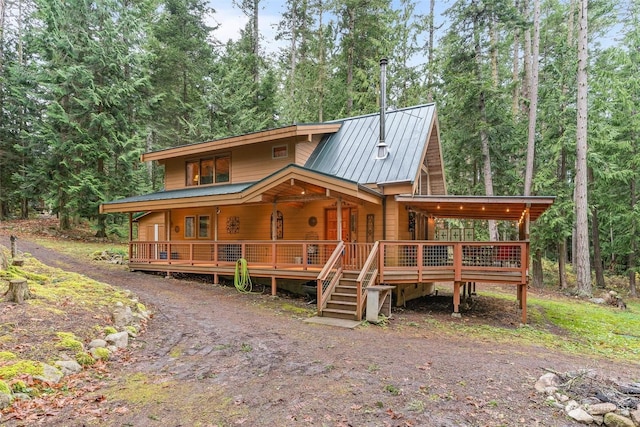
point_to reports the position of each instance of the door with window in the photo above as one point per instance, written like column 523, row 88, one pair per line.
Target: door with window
column 349, row 230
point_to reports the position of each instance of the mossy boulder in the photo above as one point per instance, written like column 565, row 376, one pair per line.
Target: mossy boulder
column 85, row 359
column 6, row 356
column 4, row 388
column 68, row 341
column 28, row 367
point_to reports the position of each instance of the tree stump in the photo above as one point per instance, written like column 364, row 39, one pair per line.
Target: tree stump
column 18, row 291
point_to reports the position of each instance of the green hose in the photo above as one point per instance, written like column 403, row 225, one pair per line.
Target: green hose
column 241, row 280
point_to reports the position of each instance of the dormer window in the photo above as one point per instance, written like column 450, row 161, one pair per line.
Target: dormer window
column 208, row 171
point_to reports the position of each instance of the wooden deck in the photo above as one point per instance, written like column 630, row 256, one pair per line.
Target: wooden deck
column 395, row 262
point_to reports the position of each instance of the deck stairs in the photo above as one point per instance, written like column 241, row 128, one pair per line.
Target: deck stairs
column 342, row 303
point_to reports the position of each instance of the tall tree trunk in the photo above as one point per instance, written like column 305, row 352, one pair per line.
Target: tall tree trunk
column 515, row 75
column 527, row 52
column 538, row 276
column 533, row 104
column 562, row 263
column 256, row 43
column 583, row 269
column 432, row 6
column 484, row 136
column 598, row 265
column 350, row 55
column 321, row 76
column 634, row 242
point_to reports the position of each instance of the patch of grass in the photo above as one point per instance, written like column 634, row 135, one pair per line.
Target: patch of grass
column 373, row 368
column 81, row 249
column 393, row 390
column 300, row 311
column 246, row 348
column 416, row 406
column 571, row 325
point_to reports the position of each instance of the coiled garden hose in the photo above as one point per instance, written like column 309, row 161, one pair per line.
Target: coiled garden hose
column 242, row 280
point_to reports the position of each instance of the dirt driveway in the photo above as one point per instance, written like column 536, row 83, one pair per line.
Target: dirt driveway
column 214, row 357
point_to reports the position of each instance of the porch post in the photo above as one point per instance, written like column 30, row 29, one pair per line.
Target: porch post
column 456, row 299
column 339, row 215
column 274, row 222
column 131, row 234
column 215, row 224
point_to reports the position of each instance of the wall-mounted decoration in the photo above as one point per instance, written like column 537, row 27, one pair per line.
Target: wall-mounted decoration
column 412, row 221
column 455, row 234
column 279, row 226
column 443, row 234
column 370, row 227
column 313, row 221
column 233, row 225
column 468, row 234
column 176, row 228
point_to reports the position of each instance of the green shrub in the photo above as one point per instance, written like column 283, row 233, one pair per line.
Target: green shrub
column 85, row 359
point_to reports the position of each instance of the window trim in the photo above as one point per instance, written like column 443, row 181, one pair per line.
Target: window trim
column 193, row 226
column 208, row 228
column 198, row 162
column 276, row 147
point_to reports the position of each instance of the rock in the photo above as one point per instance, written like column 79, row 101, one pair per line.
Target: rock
column 597, row 300
column 69, row 367
column 5, row 400
column 601, row 408
column 121, row 316
column 51, row 375
column 100, row 353
column 598, row 419
column 119, row 339
column 614, row 420
column 550, row 390
column 635, row 416
column 571, row 406
column 562, row 397
column 580, row 415
column 21, row 396
column 547, row 380
column 97, row 343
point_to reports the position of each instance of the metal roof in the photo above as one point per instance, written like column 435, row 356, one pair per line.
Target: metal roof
column 214, row 190
column 350, row 153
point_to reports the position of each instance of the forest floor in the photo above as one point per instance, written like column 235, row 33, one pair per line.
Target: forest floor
column 211, row 356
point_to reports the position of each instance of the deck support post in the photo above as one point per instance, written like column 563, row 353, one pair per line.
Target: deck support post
column 456, row 299
column 274, row 288
column 216, row 280
column 522, row 301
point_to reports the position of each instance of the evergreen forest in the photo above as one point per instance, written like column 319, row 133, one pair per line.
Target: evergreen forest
column 534, row 97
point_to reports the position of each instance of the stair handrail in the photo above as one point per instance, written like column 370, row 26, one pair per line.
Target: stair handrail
column 367, row 277
column 329, row 276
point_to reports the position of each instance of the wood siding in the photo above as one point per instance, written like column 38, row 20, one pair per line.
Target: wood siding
column 146, row 226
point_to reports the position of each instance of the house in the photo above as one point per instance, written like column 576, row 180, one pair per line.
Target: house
column 348, row 204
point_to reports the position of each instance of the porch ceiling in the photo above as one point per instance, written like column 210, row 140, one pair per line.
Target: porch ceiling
column 479, row 207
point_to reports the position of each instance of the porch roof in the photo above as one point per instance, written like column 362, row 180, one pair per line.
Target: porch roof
column 510, row 208
column 290, row 184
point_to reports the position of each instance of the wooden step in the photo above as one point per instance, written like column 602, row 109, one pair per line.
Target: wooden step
column 345, row 289
column 342, row 305
column 339, row 296
column 338, row 314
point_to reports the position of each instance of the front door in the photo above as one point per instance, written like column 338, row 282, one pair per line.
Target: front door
column 348, row 224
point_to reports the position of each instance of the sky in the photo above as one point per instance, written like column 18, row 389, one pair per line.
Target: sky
column 231, row 20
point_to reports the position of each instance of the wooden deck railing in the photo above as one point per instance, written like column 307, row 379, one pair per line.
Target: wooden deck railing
column 272, row 254
column 404, row 261
column 429, row 261
column 329, row 276
column 367, row 277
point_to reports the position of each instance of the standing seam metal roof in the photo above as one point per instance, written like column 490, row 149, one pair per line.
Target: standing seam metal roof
column 351, row 152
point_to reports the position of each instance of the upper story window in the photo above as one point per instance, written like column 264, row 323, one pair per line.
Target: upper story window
column 208, row 171
column 280, row 151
